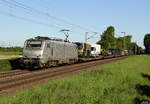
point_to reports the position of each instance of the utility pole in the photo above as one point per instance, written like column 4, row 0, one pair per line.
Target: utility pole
column 124, row 40
column 87, row 38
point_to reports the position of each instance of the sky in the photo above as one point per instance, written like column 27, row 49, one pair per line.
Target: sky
column 24, row 19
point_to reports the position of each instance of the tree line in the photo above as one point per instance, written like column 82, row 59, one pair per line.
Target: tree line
column 147, row 43
column 109, row 41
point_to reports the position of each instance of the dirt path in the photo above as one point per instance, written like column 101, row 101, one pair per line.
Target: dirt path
column 9, row 57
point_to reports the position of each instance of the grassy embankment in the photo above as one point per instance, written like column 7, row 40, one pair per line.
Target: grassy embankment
column 7, row 59
column 8, row 64
column 110, row 84
column 5, row 65
column 9, row 53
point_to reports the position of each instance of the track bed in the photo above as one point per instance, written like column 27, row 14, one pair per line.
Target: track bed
column 12, row 82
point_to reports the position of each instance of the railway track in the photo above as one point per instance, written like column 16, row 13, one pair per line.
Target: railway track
column 19, row 72
column 11, row 81
column 13, row 73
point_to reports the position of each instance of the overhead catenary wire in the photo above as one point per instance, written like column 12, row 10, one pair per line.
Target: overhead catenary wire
column 48, row 10
column 27, row 19
column 16, row 7
column 33, row 10
column 33, row 21
column 30, row 20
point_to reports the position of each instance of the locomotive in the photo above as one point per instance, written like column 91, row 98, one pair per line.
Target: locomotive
column 84, row 49
column 47, row 52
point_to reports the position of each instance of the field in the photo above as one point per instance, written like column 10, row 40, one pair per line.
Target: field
column 123, row 82
column 9, row 53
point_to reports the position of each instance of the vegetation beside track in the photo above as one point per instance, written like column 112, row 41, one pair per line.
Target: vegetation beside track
column 5, row 65
column 10, row 50
column 8, row 64
column 116, row 83
column 8, row 56
column 10, row 53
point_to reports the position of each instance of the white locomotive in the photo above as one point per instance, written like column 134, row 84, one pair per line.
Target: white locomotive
column 47, row 52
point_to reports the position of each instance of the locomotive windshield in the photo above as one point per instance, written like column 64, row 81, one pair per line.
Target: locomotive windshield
column 93, row 48
column 34, row 44
column 79, row 45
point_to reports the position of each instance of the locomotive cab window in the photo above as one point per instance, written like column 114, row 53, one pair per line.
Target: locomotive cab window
column 34, row 44
column 79, row 46
column 93, row 48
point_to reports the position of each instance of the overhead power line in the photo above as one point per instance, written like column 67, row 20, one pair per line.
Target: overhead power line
column 29, row 20
column 15, row 6
column 32, row 21
column 33, row 10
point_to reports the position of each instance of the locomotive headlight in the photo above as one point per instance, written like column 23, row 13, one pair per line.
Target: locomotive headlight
column 24, row 56
column 38, row 56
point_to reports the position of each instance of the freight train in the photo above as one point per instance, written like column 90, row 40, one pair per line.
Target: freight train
column 41, row 52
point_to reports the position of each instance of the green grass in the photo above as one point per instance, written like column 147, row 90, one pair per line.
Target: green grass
column 113, row 83
column 10, row 53
column 8, row 64
column 5, row 65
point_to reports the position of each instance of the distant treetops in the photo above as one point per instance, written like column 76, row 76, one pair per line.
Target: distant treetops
column 147, row 43
column 108, row 41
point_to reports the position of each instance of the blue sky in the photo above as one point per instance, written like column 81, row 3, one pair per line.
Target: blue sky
column 130, row 16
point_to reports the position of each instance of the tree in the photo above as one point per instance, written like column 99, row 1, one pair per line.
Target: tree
column 108, row 39
column 147, row 43
column 133, row 47
column 120, row 43
column 128, row 42
column 140, row 50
